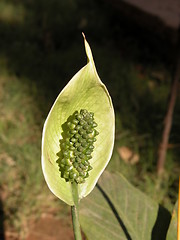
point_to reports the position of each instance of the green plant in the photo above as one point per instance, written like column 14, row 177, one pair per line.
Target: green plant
column 73, row 154
column 72, row 166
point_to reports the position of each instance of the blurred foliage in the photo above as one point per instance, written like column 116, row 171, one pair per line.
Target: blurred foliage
column 41, row 48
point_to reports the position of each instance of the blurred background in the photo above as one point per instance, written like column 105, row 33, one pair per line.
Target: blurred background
column 41, row 47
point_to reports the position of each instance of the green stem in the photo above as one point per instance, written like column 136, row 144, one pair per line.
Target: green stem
column 75, row 213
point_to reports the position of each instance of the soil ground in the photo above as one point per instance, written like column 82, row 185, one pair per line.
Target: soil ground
column 46, row 227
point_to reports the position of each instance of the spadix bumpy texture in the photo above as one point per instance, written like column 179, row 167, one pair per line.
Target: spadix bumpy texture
column 77, row 146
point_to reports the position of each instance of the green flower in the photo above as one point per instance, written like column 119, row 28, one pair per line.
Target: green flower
column 72, row 150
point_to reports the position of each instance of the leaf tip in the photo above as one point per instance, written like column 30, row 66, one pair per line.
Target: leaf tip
column 88, row 50
column 84, row 36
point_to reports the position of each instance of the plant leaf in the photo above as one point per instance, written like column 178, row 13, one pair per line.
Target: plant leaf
column 84, row 91
column 117, row 210
column 172, row 231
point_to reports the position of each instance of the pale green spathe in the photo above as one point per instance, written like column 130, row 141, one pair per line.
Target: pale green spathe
column 84, row 91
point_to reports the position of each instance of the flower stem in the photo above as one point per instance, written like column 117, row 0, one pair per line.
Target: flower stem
column 75, row 213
